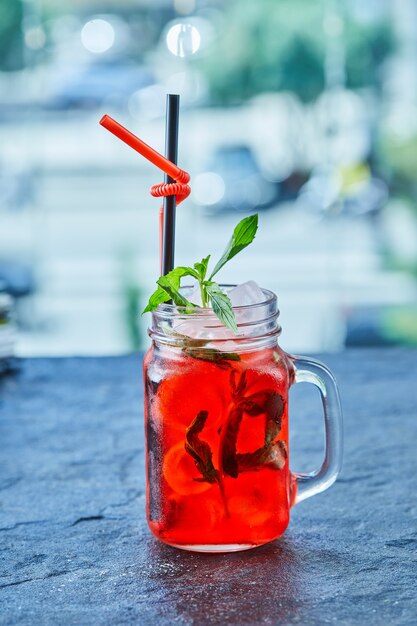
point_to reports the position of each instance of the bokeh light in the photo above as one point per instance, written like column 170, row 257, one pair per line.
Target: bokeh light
column 183, row 39
column 97, row 36
column 35, row 38
column 208, row 188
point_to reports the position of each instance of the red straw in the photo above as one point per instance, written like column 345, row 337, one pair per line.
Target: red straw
column 179, row 189
column 140, row 146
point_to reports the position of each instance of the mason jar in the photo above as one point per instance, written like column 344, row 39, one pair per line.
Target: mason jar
column 216, row 425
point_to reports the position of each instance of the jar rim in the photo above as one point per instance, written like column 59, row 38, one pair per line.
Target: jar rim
column 256, row 324
column 173, row 309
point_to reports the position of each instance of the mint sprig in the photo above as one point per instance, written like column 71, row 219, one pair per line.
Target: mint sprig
column 211, row 293
column 243, row 234
column 221, row 305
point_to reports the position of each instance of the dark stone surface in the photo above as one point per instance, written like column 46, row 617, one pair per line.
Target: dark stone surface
column 74, row 545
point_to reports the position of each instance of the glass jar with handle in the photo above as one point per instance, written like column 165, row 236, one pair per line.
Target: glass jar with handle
column 217, row 424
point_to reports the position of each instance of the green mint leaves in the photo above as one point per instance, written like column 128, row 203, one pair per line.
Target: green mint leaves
column 211, row 294
column 168, row 289
column 268, row 405
column 243, row 235
column 221, row 305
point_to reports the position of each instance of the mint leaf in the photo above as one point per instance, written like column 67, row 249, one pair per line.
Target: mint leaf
column 228, row 439
column 272, row 455
column 238, row 387
column 174, row 294
column 184, row 341
column 212, row 355
column 169, row 285
column 203, row 456
column 173, row 278
column 267, row 402
column 200, row 450
column 168, row 289
column 221, row 305
column 201, row 267
column 243, row 235
column 179, row 299
column 158, row 297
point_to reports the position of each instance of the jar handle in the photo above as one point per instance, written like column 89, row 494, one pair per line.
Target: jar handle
column 312, row 371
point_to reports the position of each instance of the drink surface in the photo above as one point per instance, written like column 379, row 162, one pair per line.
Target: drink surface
column 217, row 446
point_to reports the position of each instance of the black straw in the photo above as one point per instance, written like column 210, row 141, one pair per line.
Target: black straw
column 171, row 153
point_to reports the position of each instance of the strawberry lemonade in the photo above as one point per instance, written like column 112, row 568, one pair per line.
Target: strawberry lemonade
column 216, row 412
column 217, row 435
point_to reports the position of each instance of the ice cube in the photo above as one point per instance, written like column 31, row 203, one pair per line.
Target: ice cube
column 195, row 296
column 243, row 295
column 203, row 329
column 194, row 328
column 246, row 293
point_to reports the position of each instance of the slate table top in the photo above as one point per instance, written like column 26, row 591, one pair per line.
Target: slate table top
column 75, row 548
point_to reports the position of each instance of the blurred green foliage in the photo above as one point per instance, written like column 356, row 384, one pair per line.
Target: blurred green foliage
column 267, row 46
column 131, row 296
column 367, row 47
column 281, row 46
column 11, row 40
column 400, row 157
column 399, row 325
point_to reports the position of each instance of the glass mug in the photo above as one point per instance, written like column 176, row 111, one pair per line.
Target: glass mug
column 216, row 426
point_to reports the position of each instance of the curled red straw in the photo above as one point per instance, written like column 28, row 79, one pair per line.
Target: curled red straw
column 180, row 189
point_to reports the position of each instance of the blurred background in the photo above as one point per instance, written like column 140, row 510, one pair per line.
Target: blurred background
column 304, row 111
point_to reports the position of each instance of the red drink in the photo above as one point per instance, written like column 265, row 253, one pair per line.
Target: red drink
column 217, row 437
column 216, row 410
